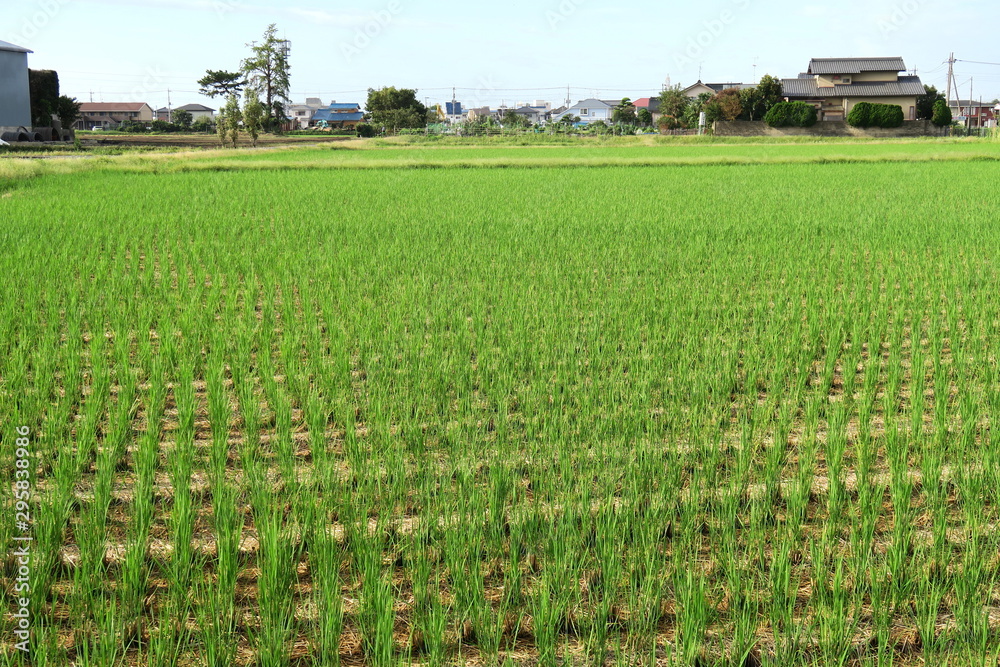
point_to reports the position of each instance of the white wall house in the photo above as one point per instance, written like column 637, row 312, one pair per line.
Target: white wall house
column 590, row 110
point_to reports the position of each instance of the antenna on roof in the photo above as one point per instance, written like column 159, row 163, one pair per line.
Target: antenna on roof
column 755, row 68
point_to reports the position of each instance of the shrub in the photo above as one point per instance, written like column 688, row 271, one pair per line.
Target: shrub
column 860, row 115
column 873, row 114
column 132, row 126
column 942, row 114
column 365, row 130
column 791, row 114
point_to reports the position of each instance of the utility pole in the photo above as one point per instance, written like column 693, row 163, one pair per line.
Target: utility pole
column 568, row 100
column 169, row 110
column 969, row 111
column 951, row 75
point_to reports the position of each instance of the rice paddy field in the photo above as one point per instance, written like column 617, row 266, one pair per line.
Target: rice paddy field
column 660, row 404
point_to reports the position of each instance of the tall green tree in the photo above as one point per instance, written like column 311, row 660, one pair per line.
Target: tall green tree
column 624, row 112
column 268, row 71
column 183, row 118
column 222, row 83
column 673, row 105
column 757, row 101
column 926, row 102
column 229, row 123
column 253, row 116
column 395, row 108
column 68, row 110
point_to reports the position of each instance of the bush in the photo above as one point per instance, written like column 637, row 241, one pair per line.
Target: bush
column 132, row 126
column 872, row 114
column 365, row 130
column 791, row 114
column 942, row 114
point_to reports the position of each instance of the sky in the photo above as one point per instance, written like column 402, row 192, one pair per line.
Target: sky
column 492, row 52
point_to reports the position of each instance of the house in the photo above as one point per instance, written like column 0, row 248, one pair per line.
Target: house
column 109, row 115
column 695, row 90
column 973, row 113
column 302, row 114
column 479, row 114
column 534, row 115
column 835, row 85
column 196, row 110
column 341, row 116
column 590, row 110
column 15, row 100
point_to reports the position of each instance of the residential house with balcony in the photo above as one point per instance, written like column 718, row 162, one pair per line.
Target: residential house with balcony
column 109, row 115
column 301, row 114
column 835, row 85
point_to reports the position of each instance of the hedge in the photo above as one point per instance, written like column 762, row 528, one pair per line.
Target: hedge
column 791, row 114
column 873, row 114
column 43, row 89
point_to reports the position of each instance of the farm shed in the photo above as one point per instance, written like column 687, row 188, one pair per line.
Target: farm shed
column 15, row 100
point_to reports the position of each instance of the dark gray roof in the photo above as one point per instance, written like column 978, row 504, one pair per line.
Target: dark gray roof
column 907, row 85
column 855, row 65
column 7, row 46
column 194, row 107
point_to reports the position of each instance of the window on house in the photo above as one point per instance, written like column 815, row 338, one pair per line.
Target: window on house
column 583, row 112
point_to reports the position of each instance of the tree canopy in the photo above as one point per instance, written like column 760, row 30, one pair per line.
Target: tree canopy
column 395, row 108
column 268, row 71
column 221, row 82
column 926, row 102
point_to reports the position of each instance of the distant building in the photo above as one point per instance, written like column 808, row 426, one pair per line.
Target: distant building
column 479, row 114
column 835, row 85
column 973, row 113
column 696, row 89
column 15, row 100
column 590, row 110
column 109, row 115
column 302, row 113
column 196, row 110
column 341, row 116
